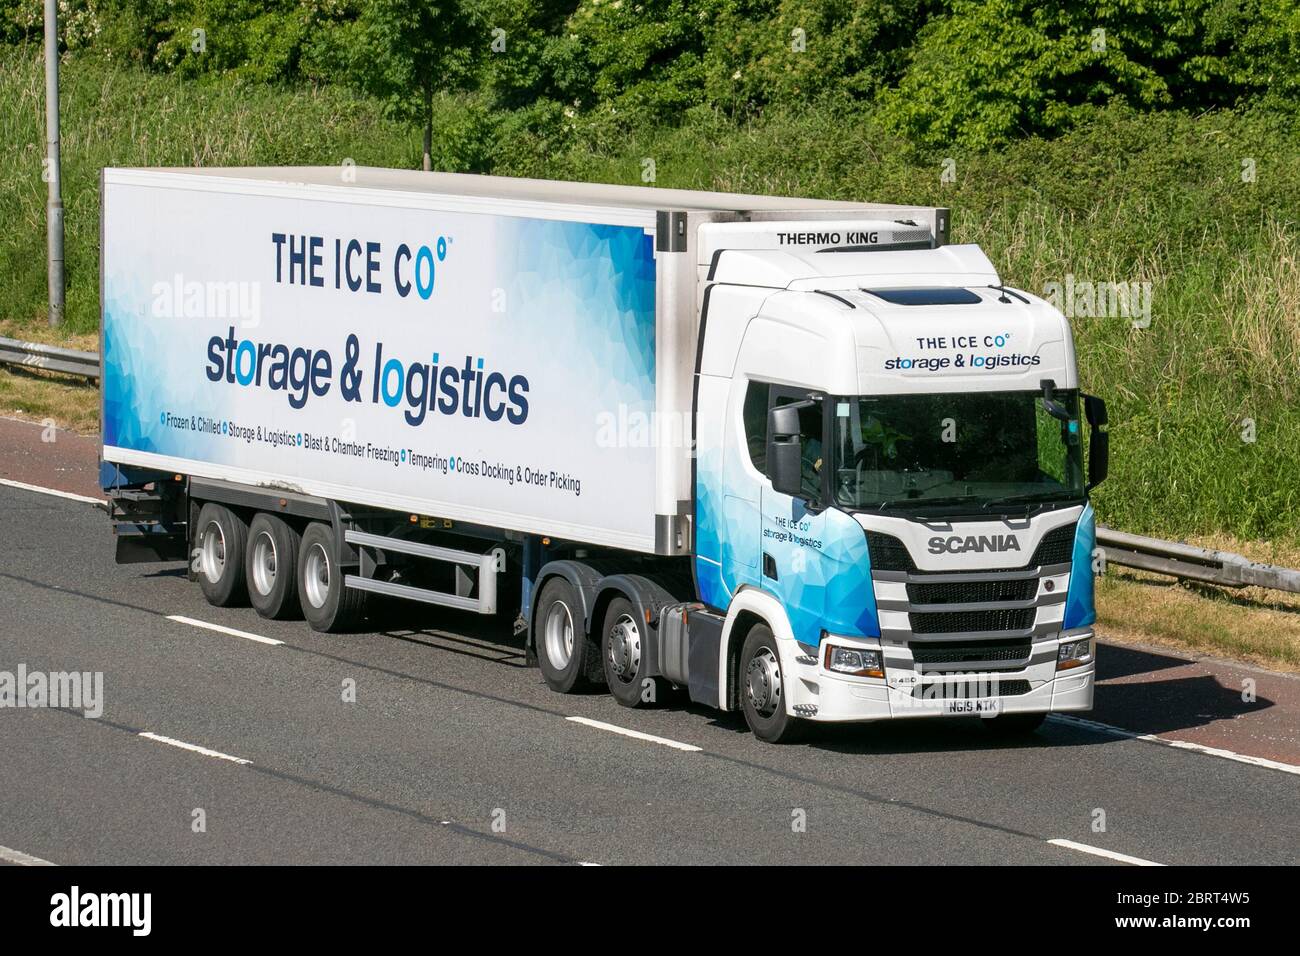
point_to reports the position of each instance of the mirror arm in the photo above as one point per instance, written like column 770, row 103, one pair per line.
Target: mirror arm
column 1050, row 404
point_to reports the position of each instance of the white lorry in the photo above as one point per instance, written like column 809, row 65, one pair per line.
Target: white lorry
column 802, row 459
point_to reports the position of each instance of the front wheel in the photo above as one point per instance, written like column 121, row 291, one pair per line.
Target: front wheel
column 763, row 690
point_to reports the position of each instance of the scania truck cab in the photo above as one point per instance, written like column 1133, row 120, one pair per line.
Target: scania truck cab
column 890, row 488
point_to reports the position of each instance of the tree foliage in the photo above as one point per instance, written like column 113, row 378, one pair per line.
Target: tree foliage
column 991, row 70
column 943, row 73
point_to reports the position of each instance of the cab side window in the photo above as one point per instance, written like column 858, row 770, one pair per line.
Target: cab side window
column 755, row 415
column 810, row 433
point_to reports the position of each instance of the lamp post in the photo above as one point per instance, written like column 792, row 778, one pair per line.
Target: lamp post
column 54, row 205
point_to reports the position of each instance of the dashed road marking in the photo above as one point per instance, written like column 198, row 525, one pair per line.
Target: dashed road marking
column 172, row 742
column 635, row 734
column 40, row 489
column 220, row 629
column 1108, row 854
column 1178, row 744
column 19, row 858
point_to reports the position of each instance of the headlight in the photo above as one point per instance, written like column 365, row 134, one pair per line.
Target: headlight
column 856, row 661
column 1074, row 654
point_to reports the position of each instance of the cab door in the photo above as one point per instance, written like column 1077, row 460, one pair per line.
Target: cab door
column 742, row 484
column 792, row 559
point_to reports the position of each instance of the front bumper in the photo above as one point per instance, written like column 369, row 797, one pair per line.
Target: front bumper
column 908, row 691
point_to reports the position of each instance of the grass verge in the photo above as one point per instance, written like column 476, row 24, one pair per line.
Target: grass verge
column 1251, row 624
column 37, row 396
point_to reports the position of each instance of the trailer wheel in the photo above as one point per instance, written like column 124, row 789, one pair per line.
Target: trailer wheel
column 568, row 658
column 271, row 566
column 220, row 541
column 1014, row 725
column 763, row 690
column 623, row 654
column 326, row 603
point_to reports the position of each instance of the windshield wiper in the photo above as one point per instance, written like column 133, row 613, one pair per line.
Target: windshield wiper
column 1032, row 496
column 925, row 502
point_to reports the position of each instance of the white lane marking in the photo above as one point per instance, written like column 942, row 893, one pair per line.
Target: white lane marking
column 636, row 734
column 220, row 629
column 1108, row 854
column 1179, row 744
column 21, row 858
column 22, row 485
column 194, row 747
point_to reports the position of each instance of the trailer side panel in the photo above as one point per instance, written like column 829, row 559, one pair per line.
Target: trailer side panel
column 475, row 365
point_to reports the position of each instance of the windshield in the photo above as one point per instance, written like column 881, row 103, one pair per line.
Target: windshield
column 985, row 449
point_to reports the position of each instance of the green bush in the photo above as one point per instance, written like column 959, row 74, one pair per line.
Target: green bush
column 657, row 58
column 946, row 73
column 793, row 50
column 992, row 70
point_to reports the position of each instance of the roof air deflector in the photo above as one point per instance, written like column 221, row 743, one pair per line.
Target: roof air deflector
column 935, row 296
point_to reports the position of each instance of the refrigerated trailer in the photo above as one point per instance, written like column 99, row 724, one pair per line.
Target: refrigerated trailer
column 802, row 459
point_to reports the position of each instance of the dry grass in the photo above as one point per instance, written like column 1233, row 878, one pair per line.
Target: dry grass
column 1248, row 624
column 40, row 396
column 1261, row 301
column 26, row 332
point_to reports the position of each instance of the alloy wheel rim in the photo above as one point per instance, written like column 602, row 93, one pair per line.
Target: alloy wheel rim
column 264, row 563
column 558, row 631
column 316, row 576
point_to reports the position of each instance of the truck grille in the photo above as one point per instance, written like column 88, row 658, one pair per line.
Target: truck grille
column 959, row 622
column 890, row 554
column 950, row 603
column 973, row 592
column 987, row 652
column 1057, row 547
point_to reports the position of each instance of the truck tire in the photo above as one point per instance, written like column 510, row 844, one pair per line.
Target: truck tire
column 220, row 539
column 326, row 604
column 623, row 655
column 763, row 691
column 569, row 659
column 271, row 566
column 1014, row 725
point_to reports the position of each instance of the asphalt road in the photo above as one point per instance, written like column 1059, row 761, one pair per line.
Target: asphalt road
column 454, row 752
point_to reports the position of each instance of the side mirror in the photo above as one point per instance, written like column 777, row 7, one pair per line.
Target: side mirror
column 1094, row 409
column 785, row 452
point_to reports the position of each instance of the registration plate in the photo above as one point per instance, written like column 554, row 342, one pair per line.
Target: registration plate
column 989, row 707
